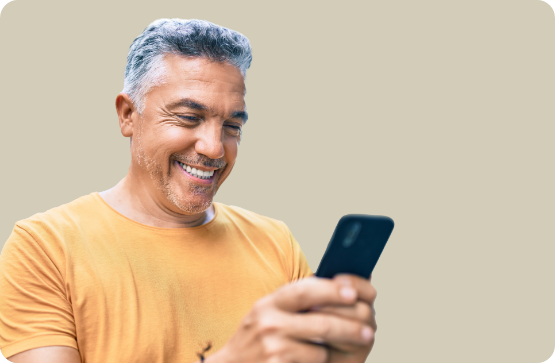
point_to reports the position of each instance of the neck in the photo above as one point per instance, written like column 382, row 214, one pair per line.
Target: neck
column 134, row 201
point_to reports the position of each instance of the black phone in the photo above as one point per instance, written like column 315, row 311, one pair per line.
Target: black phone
column 356, row 245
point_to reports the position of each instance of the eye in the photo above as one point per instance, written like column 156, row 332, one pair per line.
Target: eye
column 189, row 118
column 233, row 130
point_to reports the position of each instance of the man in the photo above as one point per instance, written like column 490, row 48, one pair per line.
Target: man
column 152, row 270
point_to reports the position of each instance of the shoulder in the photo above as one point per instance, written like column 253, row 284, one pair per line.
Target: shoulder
column 62, row 218
column 43, row 240
column 248, row 218
column 271, row 236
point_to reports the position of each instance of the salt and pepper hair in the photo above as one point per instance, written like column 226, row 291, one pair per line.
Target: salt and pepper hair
column 190, row 38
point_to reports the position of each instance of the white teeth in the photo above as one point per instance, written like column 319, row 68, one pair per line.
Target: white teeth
column 197, row 172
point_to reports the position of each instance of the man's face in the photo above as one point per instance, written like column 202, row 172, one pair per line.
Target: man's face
column 191, row 120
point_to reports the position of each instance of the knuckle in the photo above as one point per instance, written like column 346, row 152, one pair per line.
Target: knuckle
column 300, row 291
column 260, row 305
column 267, row 324
column 257, row 311
column 273, row 350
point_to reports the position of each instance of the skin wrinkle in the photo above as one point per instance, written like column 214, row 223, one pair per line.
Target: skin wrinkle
column 156, row 173
column 154, row 194
column 163, row 183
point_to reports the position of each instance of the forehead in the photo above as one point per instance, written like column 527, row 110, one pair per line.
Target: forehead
column 202, row 79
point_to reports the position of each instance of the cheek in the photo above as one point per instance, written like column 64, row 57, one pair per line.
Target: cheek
column 170, row 141
column 231, row 150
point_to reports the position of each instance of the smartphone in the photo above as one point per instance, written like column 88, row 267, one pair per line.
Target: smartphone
column 355, row 246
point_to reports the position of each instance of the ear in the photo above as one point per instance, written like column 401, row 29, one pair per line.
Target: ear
column 127, row 113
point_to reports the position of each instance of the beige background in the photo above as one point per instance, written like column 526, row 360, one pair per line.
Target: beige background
column 439, row 114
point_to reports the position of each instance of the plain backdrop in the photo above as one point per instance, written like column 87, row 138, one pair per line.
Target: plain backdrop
column 439, row 114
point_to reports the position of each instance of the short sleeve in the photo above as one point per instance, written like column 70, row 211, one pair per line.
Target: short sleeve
column 34, row 309
column 300, row 269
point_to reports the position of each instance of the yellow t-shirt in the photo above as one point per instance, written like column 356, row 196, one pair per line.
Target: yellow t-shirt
column 84, row 276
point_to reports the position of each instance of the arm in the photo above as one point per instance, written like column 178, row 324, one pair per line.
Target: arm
column 54, row 354
column 35, row 312
column 265, row 335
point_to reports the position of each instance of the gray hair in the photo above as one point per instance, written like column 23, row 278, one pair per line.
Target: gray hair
column 190, row 38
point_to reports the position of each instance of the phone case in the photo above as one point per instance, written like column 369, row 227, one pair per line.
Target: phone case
column 356, row 245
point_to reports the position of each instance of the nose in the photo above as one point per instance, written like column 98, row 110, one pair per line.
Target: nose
column 209, row 141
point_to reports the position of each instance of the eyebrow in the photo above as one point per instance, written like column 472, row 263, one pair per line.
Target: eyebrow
column 243, row 115
column 189, row 103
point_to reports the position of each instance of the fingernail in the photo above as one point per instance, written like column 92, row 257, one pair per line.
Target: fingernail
column 366, row 334
column 348, row 293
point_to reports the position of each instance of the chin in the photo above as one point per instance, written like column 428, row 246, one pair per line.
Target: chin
column 190, row 204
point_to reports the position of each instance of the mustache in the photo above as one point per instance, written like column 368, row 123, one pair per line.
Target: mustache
column 201, row 160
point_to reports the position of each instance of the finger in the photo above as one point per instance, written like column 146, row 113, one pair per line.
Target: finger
column 365, row 290
column 310, row 292
column 305, row 352
column 326, row 328
column 359, row 311
column 341, row 352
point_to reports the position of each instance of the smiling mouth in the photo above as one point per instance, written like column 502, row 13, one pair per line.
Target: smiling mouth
column 197, row 173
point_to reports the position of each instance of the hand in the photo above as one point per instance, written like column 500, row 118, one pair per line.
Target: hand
column 275, row 330
column 362, row 310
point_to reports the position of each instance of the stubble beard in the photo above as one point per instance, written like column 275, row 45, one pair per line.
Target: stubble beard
column 188, row 204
